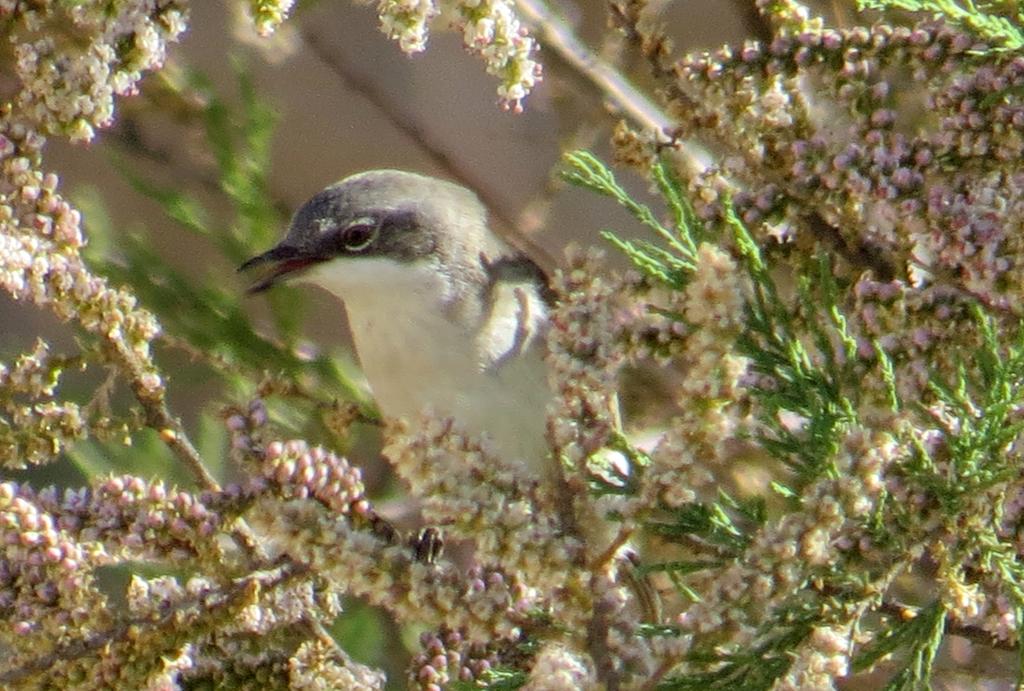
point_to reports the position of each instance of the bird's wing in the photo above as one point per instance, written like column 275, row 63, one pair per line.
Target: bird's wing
column 515, row 308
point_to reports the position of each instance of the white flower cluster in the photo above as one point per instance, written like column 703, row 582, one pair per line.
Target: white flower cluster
column 267, row 15
column 72, row 60
column 785, row 552
column 67, row 89
column 822, row 658
column 407, row 21
column 464, row 487
column 171, row 669
column 710, row 392
column 319, row 666
column 490, row 28
column 483, row 604
column 557, row 667
column 39, row 260
column 38, row 432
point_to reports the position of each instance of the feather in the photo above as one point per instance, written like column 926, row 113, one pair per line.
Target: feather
column 515, row 311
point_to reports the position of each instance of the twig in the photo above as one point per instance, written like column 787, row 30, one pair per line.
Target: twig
column 975, row 634
column 618, row 91
column 159, row 418
column 597, row 639
column 841, row 14
column 625, row 533
column 664, row 668
column 556, row 35
column 652, row 44
column 172, row 433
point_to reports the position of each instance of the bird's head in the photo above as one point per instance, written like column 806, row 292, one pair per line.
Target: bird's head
column 379, row 230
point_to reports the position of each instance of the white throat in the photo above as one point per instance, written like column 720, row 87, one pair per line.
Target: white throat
column 417, row 341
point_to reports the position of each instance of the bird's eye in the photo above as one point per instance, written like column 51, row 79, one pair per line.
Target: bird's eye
column 358, row 236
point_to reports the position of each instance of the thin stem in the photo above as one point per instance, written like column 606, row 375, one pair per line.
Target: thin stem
column 159, row 417
column 597, row 638
column 617, row 90
column 623, row 536
column 556, row 35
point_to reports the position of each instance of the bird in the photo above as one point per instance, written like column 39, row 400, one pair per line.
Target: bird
column 445, row 316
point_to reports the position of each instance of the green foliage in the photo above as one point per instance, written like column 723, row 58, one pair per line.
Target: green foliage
column 810, row 380
column 669, row 265
column 801, row 346
column 1004, row 32
column 726, row 526
column 710, row 522
column 920, row 635
column 983, row 419
column 811, row 386
column 679, row 567
column 202, row 314
column 758, row 666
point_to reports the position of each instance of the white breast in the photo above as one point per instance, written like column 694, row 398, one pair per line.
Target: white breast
column 416, row 357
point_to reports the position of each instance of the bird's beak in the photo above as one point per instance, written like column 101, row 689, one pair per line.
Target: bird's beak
column 285, row 260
